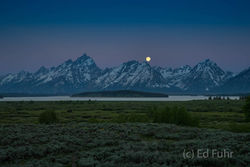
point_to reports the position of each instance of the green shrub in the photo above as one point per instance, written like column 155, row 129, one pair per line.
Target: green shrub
column 246, row 109
column 175, row 115
column 87, row 162
column 93, row 120
column 48, row 117
column 239, row 127
column 125, row 118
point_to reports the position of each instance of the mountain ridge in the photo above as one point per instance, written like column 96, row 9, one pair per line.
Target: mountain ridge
column 83, row 75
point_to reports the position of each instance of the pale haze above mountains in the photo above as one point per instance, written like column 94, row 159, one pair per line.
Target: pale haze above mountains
column 84, row 75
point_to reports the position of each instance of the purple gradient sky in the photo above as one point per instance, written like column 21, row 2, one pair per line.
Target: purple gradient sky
column 28, row 43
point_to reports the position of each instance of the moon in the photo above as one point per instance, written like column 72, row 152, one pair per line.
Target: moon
column 148, row 59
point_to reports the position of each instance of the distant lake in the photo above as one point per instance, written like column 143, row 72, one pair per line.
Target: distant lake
column 68, row 98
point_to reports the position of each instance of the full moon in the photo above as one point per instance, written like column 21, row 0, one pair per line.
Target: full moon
column 148, row 59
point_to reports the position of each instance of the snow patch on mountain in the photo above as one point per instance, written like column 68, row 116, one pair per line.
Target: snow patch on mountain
column 84, row 75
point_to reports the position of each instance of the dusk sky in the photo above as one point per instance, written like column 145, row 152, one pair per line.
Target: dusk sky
column 173, row 33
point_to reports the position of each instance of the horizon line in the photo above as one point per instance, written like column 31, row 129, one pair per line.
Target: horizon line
column 85, row 54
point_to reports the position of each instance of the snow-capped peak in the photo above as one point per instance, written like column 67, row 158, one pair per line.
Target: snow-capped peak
column 84, row 58
column 132, row 74
column 204, row 76
column 83, row 74
column 205, row 65
column 41, row 70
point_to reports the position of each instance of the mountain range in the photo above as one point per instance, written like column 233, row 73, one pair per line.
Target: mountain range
column 84, row 75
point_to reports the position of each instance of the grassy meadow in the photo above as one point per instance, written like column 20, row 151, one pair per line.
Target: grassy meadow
column 113, row 134
column 218, row 114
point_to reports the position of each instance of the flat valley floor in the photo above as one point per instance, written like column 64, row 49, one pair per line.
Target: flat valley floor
column 92, row 134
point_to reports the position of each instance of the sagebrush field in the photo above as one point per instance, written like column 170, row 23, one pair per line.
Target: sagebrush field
column 112, row 145
column 90, row 133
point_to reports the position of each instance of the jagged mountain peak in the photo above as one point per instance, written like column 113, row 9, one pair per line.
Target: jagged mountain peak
column 136, row 63
column 84, row 59
column 205, row 65
column 209, row 61
column 131, row 62
column 245, row 71
column 237, row 84
column 132, row 66
column 69, row 61
column 83, row 74
column 208, row 69
column 23, row 75
column 145, row 63
column 205, row 76
column 42, row 69
column 245, row 74
column 130, row 75
column 185, row 67
column 82, row 64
